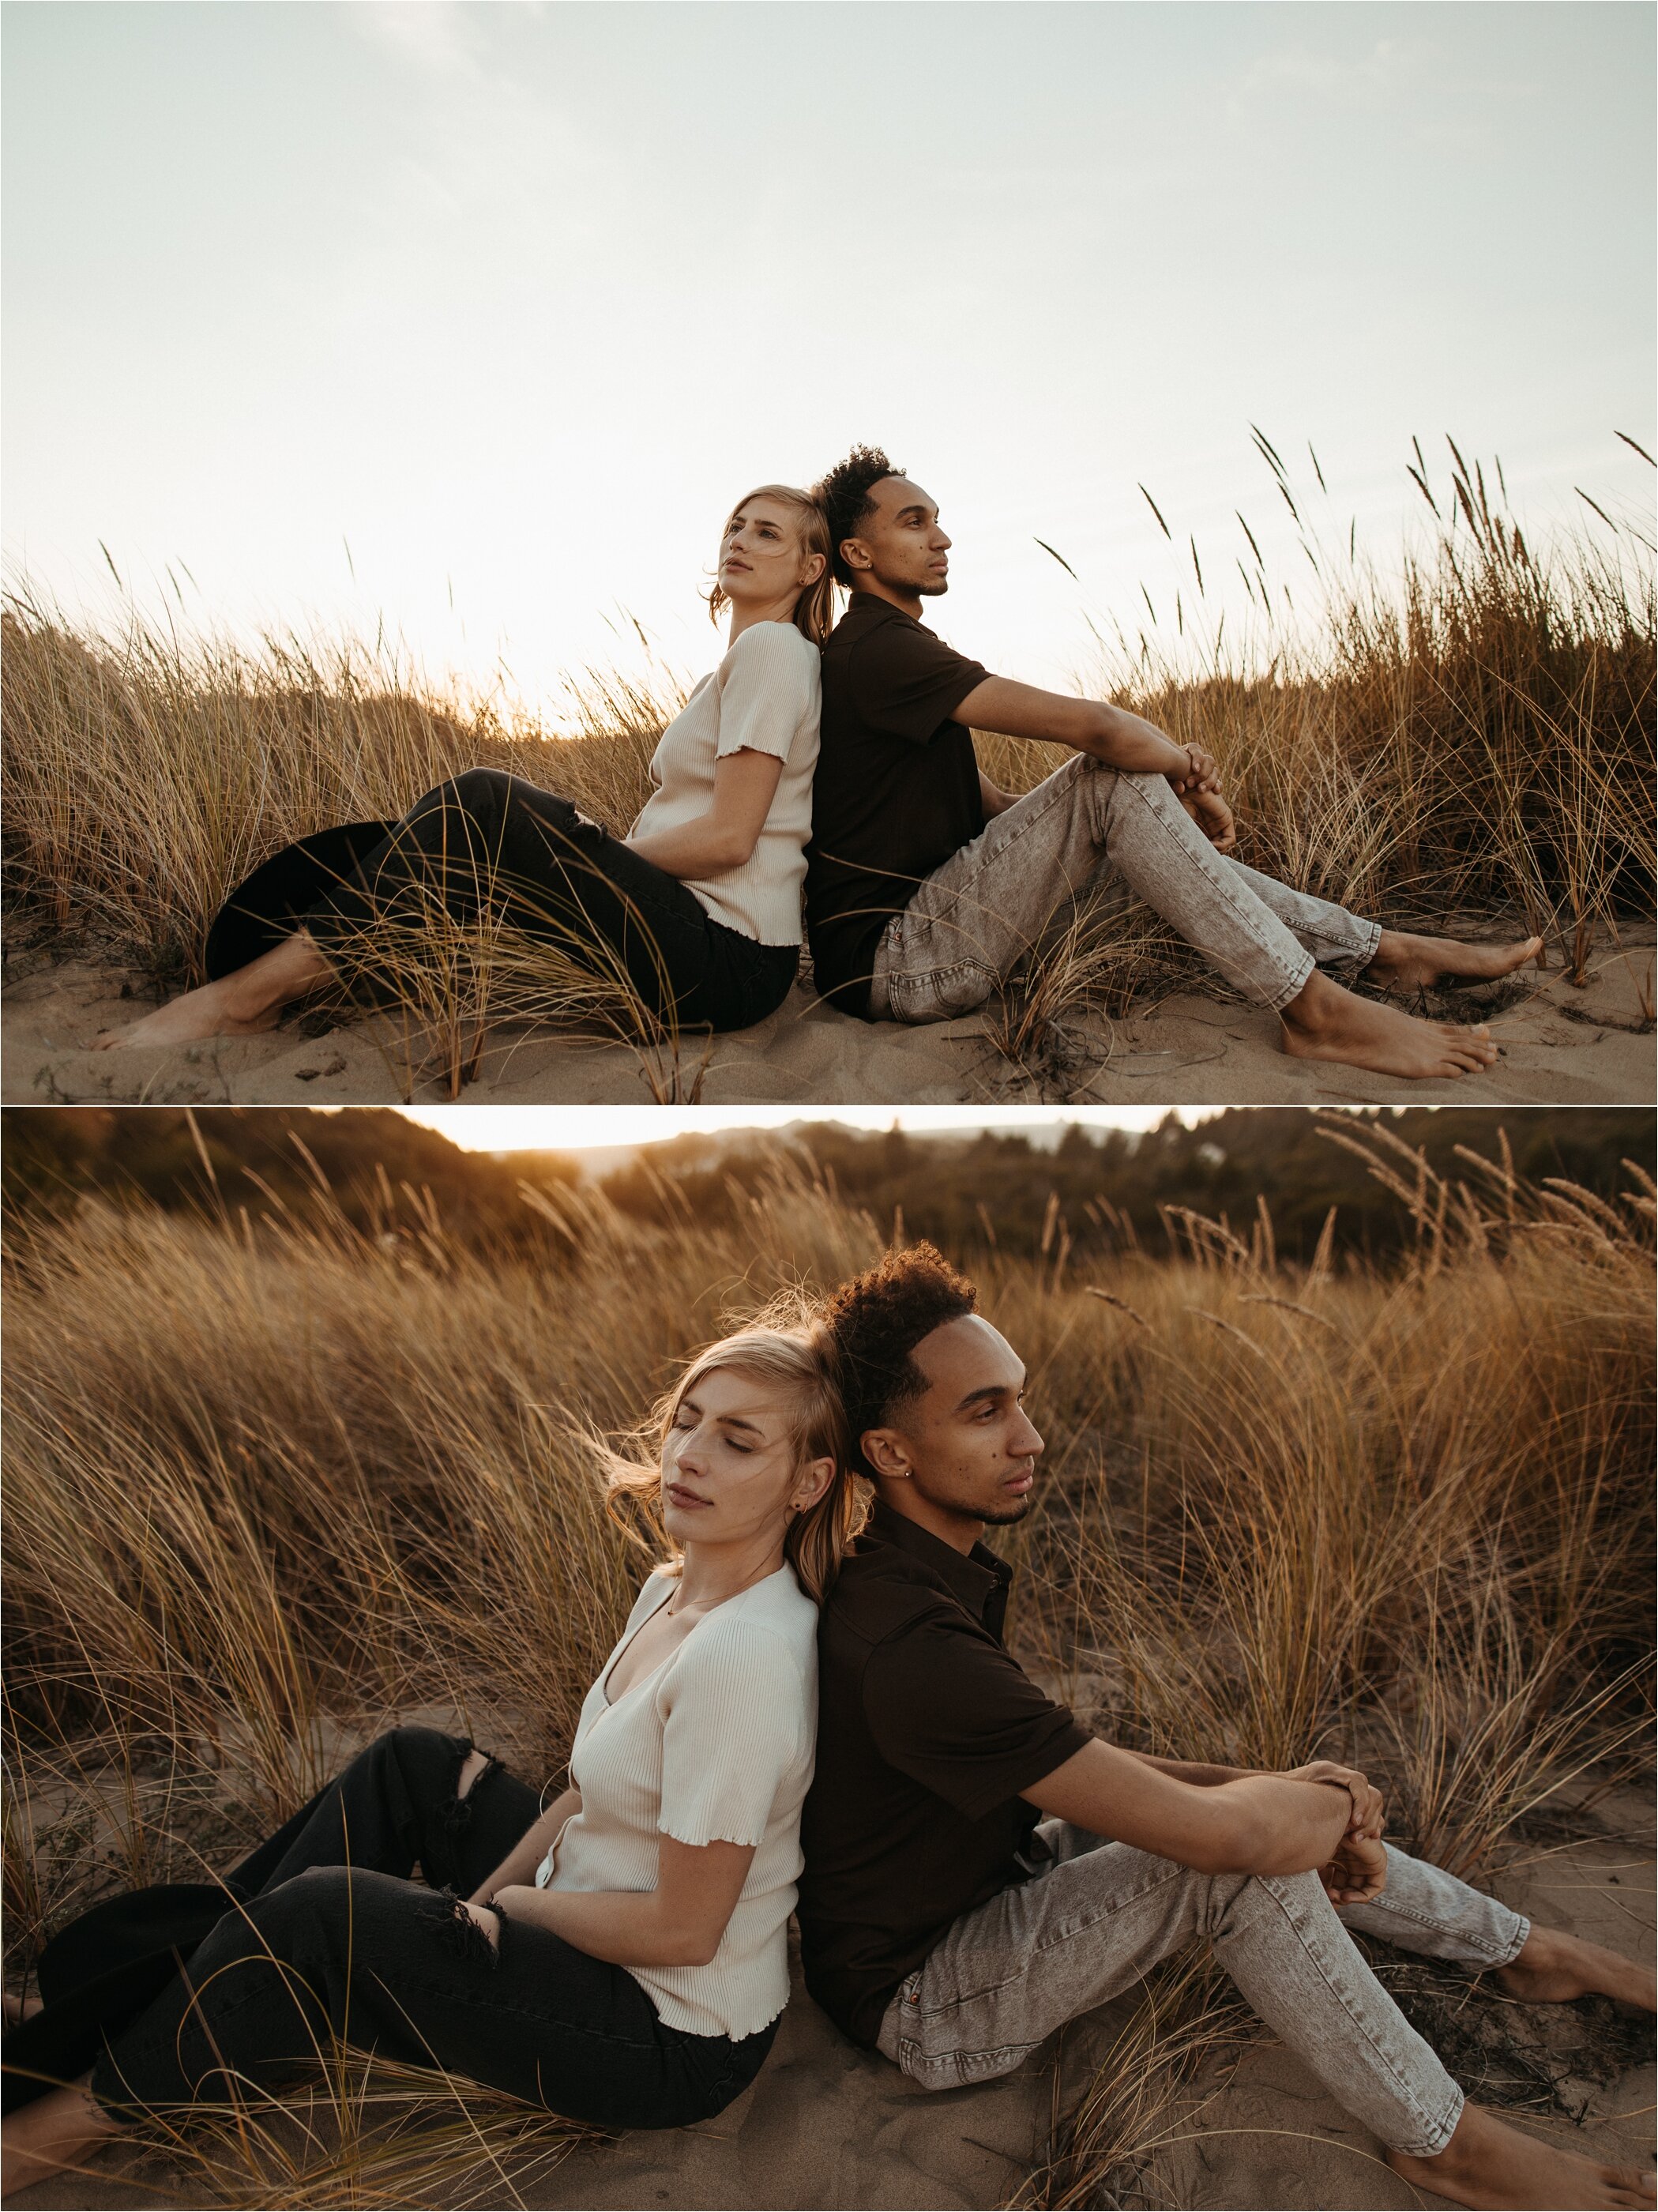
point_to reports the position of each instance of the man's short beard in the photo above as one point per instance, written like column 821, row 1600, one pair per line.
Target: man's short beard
column 932, row 590
column 1006, row 1519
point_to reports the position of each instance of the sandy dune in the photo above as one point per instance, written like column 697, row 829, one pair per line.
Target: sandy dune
column 1561, row 1045
column 825, row 2125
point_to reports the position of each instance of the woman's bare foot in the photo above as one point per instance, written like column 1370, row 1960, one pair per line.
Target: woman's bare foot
column 1404, row 963
column 241, row 1005
column 16, row 2010
column 198, row 1014
column 1552, row 1968
column 1495, row 2168
column 1324, row 1021
column 50, row 2136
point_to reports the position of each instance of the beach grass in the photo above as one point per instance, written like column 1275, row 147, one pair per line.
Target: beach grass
column 1465, row 729
column 273, row 1481
column 1463, row 734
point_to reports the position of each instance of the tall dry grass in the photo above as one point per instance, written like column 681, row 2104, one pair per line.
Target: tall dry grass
column 146, row 773
column 1467, row 731
column 1468, row 727
column 1401, row 1520
column 271, row 1483
column 148, row 770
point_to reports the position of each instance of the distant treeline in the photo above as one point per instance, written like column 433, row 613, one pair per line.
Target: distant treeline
column 377, row 1164
column 1111, row 1186
column 1108, row 1187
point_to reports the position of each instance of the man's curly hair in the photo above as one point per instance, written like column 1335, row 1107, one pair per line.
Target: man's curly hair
column 876, row 1319
column 843, row 495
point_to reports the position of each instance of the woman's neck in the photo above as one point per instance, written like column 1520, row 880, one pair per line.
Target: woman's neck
column 710, row 1573
column 779, row 611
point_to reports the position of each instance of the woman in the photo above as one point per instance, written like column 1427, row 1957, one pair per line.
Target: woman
column 620, row 1958
column 699, row 904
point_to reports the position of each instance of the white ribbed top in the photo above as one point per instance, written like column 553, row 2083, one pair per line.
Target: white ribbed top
column 714, row 1746
column 765, row 696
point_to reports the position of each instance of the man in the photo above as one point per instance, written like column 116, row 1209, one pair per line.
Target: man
column 925, row 884
column 947, row 1923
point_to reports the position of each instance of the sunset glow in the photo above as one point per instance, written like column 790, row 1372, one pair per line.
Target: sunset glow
column 466, row 323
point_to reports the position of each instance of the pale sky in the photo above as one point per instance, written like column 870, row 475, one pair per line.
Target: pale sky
column 573, row 1129
column 515, row 299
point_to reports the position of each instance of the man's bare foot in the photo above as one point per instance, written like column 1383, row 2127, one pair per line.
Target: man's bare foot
column 1404, row 963
column 16, row 2010
column 1552, row 1968
column 198, row 1014
column 1324, row 1021
column 1494, row 2169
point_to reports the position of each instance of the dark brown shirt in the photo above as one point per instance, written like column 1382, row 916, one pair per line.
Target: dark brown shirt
column 926, row 1732
column 896, row 790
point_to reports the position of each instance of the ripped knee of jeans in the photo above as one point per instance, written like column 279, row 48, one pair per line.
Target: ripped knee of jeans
column 453, row 1921
column 457, row 1812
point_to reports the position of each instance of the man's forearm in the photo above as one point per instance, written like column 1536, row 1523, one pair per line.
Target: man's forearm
column 1201, row 1775
column 519, row 1867
column 1129, row 741
column 1287, row 1826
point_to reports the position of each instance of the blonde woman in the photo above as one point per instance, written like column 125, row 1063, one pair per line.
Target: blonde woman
column 619, row 1958
column 700, row 905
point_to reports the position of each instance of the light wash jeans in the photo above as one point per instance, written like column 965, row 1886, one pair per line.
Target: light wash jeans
column 1084, row 1928
column 972, row 920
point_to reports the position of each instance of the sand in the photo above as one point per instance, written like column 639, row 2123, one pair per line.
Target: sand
column 1561, row 1044
column 826, row 2125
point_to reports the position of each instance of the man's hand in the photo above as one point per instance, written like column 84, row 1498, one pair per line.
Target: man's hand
column 1358, row 1871
column 1201, row 772
column 1211, row 814
column 1368, row 1819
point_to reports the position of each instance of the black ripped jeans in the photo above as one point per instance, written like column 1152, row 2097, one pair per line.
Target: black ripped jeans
column 338, row 1942
column 486, row 840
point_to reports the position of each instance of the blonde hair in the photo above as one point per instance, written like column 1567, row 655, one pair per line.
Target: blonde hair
column 814, row 610
column 801, row 1357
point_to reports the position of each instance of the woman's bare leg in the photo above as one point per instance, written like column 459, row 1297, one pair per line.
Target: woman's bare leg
column 241, row 1005
column 53, row 2133
column 16, row 2010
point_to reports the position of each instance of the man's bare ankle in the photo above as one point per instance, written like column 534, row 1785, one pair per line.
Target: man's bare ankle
column 1315, row 1005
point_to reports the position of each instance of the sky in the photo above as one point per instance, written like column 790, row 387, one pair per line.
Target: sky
column 464, row 324
column 574, row 1128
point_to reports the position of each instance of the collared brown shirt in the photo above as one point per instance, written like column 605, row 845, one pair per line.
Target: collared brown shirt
column 895, row 791
column 926, row 1732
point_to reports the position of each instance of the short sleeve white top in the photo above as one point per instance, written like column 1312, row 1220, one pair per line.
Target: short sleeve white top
column 765, row 696
column 716, row 1745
